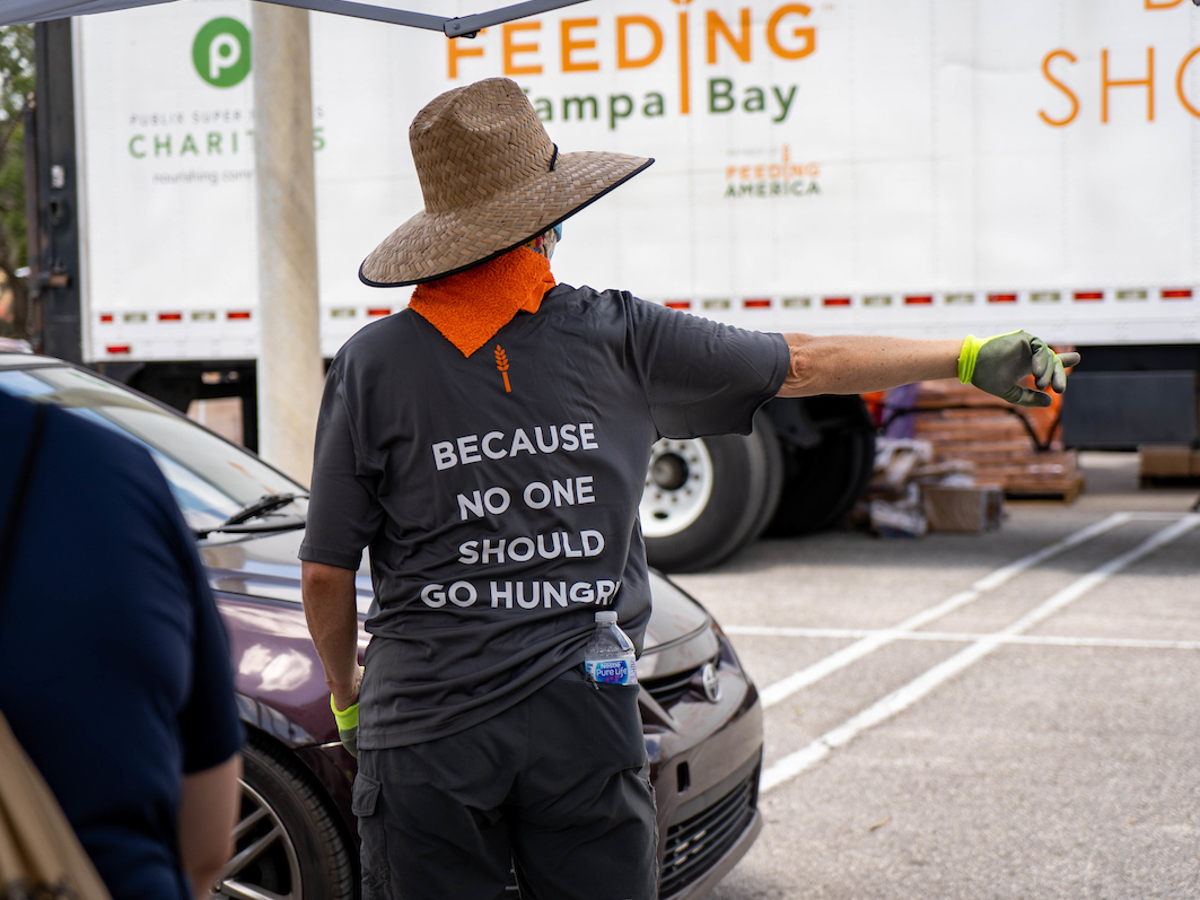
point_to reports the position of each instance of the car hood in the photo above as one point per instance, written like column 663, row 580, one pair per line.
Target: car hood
column 267, row 566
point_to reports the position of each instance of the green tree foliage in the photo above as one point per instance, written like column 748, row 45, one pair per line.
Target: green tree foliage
column 16, row 90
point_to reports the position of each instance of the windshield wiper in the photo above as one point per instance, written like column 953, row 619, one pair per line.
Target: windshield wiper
column 263, row 505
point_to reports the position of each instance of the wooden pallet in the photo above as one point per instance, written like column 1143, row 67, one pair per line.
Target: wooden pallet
column 1066, row 490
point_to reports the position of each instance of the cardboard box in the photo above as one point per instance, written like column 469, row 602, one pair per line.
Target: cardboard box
column 975, row 508
column 1196, row 463
column 1166, row 461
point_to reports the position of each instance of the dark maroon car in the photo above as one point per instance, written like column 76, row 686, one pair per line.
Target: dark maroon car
column 296, row 837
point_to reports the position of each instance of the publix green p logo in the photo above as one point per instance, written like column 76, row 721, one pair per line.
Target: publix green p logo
column 221, row 52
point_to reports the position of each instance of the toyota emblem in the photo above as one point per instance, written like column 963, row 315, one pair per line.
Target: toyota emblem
column 712, row 682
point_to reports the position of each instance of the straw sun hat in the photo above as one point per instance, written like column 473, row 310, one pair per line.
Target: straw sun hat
column 492, row 180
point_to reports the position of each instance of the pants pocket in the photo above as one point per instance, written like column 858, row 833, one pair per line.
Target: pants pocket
column 364, row 803
column 601, row 722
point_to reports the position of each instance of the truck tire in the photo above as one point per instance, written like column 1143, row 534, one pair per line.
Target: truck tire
column 764, row 430
column 706, row 498
column 287, row 841
column 823, row 482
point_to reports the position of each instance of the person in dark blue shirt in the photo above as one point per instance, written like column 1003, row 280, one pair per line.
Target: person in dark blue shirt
column 114, row 665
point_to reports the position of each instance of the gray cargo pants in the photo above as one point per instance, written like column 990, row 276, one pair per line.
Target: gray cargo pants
column 557, row 787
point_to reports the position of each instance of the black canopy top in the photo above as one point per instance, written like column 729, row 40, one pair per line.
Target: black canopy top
column 14, row 11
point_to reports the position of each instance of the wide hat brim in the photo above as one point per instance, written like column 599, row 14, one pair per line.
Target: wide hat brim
column 430, row 246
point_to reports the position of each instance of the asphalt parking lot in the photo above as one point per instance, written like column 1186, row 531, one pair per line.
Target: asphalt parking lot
column 1008, row 715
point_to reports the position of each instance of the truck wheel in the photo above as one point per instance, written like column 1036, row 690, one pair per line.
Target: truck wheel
column 768, row 437
column 706, row 498
column 287, row 843
column 823, row 482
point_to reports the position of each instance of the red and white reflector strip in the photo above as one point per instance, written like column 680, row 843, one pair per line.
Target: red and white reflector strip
column 196, row 315
column 379, row 311
column 117, row 349
column 950, row 298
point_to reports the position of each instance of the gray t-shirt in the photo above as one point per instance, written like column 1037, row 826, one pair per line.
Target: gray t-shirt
column 499, row 493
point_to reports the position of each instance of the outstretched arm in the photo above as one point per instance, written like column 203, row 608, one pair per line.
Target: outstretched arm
column 856, row 364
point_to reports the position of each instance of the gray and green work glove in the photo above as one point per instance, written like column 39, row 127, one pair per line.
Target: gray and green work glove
column 347, row 726
column 997, row 363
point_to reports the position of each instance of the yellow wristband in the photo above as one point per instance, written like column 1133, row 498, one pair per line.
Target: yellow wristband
column 967, row 357
column 346, row 718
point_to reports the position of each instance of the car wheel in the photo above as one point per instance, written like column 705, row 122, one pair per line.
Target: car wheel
column 287, row 844
column 824, row 481
column 705, row 498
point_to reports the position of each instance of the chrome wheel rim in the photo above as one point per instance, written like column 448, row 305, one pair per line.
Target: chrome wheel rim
column 679, row 483
column 264, row 864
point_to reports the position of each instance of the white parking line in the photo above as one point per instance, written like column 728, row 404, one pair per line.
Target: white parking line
column 964, row 637
column 792, row 765
column 781, row 690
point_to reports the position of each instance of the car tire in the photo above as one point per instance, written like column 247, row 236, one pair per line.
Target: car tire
column 705, row 498
column 287, row 842
column 824, row 481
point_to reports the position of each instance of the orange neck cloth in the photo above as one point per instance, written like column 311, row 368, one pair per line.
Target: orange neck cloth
column 470, row 307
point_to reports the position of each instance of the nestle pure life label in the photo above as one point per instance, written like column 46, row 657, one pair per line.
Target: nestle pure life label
column 612, row 671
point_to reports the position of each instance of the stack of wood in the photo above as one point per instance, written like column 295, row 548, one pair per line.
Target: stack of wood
column 1011, row 446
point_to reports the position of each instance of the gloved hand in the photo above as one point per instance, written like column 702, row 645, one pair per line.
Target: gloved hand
column 347, row 725
column 997, row 363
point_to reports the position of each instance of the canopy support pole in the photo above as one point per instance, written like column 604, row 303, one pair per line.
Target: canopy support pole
column 290, row 370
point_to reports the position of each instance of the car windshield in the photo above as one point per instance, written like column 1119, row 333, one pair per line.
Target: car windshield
column 210, row 478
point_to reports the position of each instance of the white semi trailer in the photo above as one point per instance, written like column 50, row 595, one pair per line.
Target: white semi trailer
column 927, row 168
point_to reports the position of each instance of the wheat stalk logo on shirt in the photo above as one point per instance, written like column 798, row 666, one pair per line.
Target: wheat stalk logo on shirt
column 502, row 365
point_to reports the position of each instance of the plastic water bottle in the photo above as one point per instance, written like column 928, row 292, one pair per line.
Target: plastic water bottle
column 609, row 656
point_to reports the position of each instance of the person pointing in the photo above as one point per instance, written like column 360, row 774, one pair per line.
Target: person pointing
column 489, row 446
